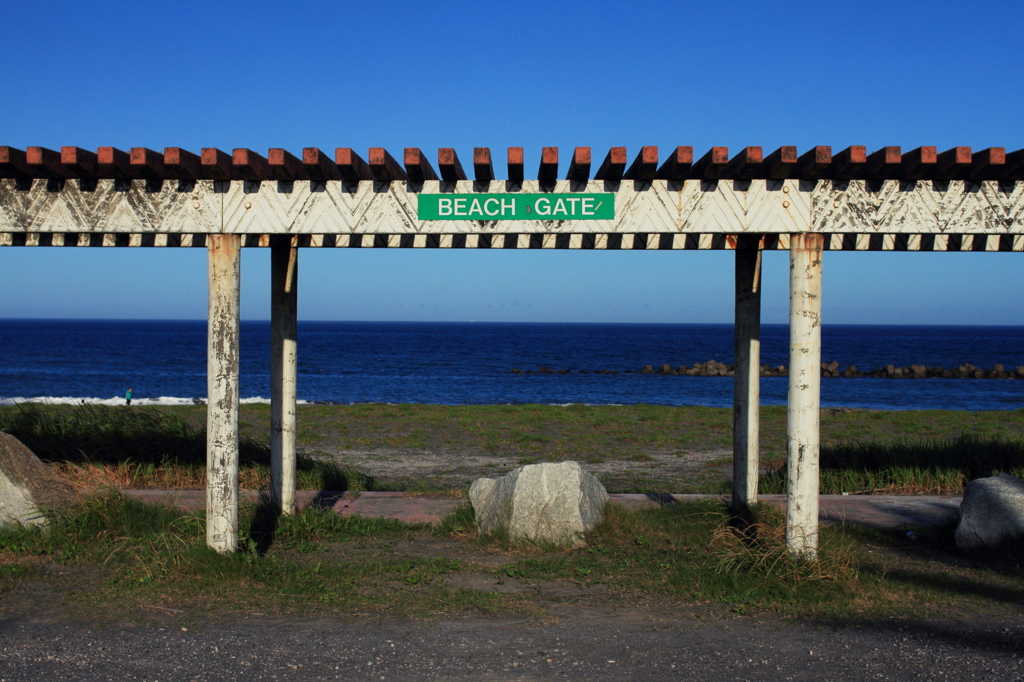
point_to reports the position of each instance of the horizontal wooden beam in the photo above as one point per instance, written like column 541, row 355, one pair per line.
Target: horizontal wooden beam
column 81, row 161
column 850, row 209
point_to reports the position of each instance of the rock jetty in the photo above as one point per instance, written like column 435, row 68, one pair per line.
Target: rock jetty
column 712, row 368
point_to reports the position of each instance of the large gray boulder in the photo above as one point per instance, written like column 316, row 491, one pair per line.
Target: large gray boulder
column 551, row 503
column 992, row 513
column 27, row 486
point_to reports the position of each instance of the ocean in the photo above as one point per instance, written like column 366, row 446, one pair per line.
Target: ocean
column 471, row 363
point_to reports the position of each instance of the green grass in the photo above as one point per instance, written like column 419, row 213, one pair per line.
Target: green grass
column 940, row 466
column 126, row 448
column 117, row 554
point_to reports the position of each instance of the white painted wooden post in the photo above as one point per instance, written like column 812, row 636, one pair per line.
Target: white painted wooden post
column 805, row 255
column 746, row 410
column 283, row 369
column 222, row 393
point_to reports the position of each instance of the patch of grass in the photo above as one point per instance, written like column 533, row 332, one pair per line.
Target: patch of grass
column 121, row 553
column 929, row 467
column 96, row 447
column 460, row 523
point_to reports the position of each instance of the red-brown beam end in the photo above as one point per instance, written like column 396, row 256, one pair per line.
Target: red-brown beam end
column 12, row 163
column 81, row 161
column 884, row 164
column 47, row 163
column 645, row 166
column 988, row 164
column 918, row 164
column 814, row 163
column 712, row 165
column 613, row 166
column 483, row 168
column 384, row 167
column 449, row 165
column 516, row 159
column 678, row 164
column 417, row 167
column 747, row 164
column 218, row 165
column 953, row 163
column 183, row 164
column 548, row 171
column 251, row 165
column 114, row 163
column 147, row 163
column 579, row 167
column 285, row 166
column 849, row 163
column 781, row 163
column 319, row 165
column 351, row 165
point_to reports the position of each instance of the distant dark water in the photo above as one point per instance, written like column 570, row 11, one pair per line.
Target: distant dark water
column 470, row 363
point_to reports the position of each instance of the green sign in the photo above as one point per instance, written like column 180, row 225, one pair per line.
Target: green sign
column 516, row 206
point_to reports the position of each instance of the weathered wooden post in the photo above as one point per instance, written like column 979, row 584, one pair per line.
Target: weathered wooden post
column 805, row 252
column 222, row 393
column 284, row 255
column 746, row 410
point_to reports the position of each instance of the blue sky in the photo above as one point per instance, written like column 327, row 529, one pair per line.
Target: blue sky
column 595, row 74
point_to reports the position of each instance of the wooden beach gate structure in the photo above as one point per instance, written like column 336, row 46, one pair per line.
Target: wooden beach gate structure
column 924, row 200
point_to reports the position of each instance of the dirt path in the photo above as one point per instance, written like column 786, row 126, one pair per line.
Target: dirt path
column 658, row 470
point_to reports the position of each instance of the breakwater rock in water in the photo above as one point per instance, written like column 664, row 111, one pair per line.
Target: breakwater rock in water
column 712, row 368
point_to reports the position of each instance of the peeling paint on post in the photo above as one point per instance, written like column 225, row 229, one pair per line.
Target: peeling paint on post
column 746, row 373
column 805, row 254
column 284, row 266
column 222, row 394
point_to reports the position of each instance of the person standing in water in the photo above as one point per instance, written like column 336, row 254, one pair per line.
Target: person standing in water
column 128, row 397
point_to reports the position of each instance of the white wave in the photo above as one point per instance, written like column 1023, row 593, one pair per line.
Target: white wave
column 116, row 401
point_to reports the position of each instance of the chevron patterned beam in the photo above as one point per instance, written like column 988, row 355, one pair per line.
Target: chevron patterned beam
column 390, row 207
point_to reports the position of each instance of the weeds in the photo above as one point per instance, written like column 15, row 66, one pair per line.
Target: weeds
column 916, row 467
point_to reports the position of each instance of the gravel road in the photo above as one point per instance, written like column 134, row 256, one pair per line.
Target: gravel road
column 572, row 642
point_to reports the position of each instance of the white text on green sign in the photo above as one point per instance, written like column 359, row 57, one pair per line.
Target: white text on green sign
column 516, row 206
